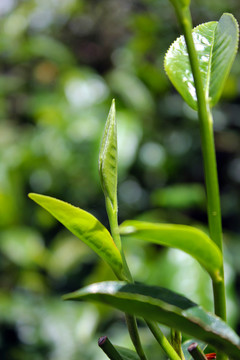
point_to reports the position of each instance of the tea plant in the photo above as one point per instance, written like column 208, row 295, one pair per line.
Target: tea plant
column 198, row 64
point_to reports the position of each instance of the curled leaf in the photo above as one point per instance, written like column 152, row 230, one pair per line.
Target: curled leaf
column 107, row 162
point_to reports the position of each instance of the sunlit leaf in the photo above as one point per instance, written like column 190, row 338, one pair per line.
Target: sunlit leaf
column 86, row 227
column 216, row 45
column 108, row 158
column 166, row 307
column 186, row 238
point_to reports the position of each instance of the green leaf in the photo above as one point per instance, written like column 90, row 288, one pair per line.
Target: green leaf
column 216, row 45
column 86, row 227
column 108, row 158
column 166, row 307
column 127, row 354
column 223, row 54
column 186, row 238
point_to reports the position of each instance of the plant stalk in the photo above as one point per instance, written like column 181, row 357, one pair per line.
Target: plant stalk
column 113, row 222
column 134, row 334
column 130, row 319
column 176, row 341
column 196, row 352
column 209, row 159
column 105, row 344
column 162, row 340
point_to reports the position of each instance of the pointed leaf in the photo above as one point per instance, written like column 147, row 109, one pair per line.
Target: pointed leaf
column 108, row 158
column 186, row 238
column 216, row 45
column 86, row 227
column 166, row 307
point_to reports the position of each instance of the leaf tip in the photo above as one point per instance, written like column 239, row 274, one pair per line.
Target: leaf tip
column 33, row 196
column 112, row 111
column 68, row 296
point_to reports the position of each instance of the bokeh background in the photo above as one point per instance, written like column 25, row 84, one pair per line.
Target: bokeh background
column 62, row 61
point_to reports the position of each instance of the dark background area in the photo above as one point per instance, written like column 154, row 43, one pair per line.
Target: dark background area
column 61, row 64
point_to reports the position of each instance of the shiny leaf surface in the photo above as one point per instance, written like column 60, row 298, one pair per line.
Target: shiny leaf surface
column 186, row 238
column 86, row 227
column 216, row 45
column 166, row 307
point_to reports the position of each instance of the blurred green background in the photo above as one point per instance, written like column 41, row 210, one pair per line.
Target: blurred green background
column 62, row 61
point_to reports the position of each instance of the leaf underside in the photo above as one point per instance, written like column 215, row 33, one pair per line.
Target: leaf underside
column 186, row 238
column 216, row 44
column 166, row 307
column 86, row 227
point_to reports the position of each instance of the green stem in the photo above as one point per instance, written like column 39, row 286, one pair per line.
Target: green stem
column 207, row 136
column 162, row 340
column 130, row 320
column 196, row 352
column 105, row 344
column 176, row 341
column 133, row 331
column 209, row 158
column 113, row 222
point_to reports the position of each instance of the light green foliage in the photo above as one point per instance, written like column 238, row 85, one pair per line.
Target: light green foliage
column 166, row 307
column 216, row 45
column 186, row 238
column 86, row 227
column 108, row 158
column 61, row 66
column 224, row 50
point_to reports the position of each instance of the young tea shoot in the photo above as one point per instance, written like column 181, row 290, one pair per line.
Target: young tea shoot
column 197, row 64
